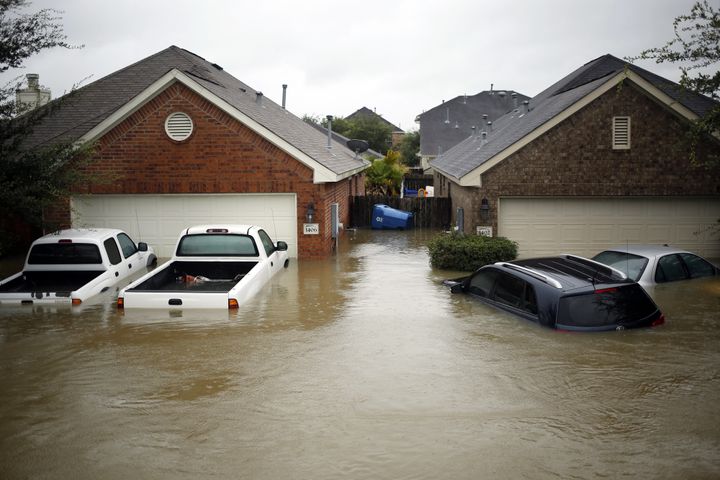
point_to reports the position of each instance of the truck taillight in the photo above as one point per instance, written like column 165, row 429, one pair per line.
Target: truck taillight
column 233, row 303
column 120, row 302
column 76, row 301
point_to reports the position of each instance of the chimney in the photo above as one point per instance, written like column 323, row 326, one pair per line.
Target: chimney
column 514, row 98
column 484, row 138
column 489, row 124
column 526, row 106
column 329, row 129
column 33, row 96
column 284, row 95
column 491, row 88
column 447, row 116
column 258, row 98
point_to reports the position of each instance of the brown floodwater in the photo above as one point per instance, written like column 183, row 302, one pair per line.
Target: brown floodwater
column 361, row 366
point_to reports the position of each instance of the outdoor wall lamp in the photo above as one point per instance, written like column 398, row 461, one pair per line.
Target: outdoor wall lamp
column 484, row 209
column 310, row 213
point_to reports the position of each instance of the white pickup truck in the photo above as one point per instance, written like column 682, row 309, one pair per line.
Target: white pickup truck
column 70, row 266
column 214, row 266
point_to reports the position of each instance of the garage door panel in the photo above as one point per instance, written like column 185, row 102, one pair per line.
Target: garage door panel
column 587, row 225
column 159, row 219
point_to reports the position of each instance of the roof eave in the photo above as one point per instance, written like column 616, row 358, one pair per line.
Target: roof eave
column 321, row 174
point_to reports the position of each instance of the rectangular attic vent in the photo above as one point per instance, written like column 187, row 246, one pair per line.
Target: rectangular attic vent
column 621, row 133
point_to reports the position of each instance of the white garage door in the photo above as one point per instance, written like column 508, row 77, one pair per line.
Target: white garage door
column 584, row 226
column 159, row 219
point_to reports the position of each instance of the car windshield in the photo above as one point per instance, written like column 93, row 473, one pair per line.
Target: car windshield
column 217, row 245
column 606, row 306
column 631, row 265
column 66, row 253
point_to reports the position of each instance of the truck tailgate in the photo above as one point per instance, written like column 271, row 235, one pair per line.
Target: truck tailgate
column 140, row 299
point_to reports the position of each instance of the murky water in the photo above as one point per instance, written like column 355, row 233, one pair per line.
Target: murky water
column 362, row 366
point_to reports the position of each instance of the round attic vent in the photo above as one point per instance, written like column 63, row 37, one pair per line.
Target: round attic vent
column 178, row 126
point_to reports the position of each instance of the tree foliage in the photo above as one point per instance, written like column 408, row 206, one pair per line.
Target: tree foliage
column 409, row 148
column 696, row 48
column 384, row 176
column 371, row 129
column 30, row 178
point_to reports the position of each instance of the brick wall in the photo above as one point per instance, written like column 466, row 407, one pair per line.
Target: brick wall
column 221, row 156
column 576, row 158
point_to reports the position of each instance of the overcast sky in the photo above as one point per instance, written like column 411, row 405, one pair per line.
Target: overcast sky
column 397, row 57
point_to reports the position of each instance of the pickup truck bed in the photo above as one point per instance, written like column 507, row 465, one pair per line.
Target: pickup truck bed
column 55, row 281
column 221, row 277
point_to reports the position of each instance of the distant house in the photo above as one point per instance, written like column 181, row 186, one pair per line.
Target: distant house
column 597, row 159
column 185, row 143
column 364, row 112
column 444, row 126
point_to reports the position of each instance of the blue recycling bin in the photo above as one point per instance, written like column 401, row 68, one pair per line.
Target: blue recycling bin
column 388, row 218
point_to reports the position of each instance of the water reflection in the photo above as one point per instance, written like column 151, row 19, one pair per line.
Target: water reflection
column 361, row 366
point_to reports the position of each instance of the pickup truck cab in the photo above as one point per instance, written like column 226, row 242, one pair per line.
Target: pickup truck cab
column 70, row 266
column 214, row 266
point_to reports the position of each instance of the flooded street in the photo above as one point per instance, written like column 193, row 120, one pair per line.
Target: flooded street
column 362, row 366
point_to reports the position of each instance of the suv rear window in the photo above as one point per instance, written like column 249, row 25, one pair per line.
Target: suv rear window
column 64, row 254
column 217, row 245
column 631, row 265
column 609, row 306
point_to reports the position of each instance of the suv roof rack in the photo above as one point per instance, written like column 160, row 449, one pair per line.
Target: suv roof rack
column 532, row 272
column 597, row 265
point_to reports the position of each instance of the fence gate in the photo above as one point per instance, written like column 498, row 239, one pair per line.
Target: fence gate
column 428, row 212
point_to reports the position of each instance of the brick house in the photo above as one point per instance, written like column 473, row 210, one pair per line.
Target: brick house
column 595, row 160
column 185, row 143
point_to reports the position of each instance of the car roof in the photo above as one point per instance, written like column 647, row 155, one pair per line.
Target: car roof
column 233, row 229
column 567, row 272
column 78, row 234
column 646, row 250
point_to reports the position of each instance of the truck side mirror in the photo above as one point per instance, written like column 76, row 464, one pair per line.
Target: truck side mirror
column 282, row 246
column 142, row 247
column 457, row 288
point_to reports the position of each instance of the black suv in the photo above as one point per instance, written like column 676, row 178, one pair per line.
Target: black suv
column 566, row 292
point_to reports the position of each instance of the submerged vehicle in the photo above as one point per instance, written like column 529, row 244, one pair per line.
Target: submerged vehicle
column 70, row 266
column 566, row 292
column 214, row 266
column 652, row 264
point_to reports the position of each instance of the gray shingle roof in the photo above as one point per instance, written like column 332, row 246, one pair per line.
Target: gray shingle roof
column 512, row 127
column 367, row 113
column 444, row 126
column 90, row 105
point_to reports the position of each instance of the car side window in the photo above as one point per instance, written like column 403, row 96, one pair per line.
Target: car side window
column 267, row 242
column 127, row 245
column 482, row 283
column 112, row 250
column 697, row 267
column 516, row 292
column 670, row 269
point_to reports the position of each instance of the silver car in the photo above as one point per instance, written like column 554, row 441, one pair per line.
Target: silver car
column 652, row 264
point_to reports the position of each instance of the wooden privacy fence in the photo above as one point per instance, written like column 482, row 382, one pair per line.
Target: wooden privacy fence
column 429, row 212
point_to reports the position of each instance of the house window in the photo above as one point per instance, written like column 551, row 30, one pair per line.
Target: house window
column 621, row 133
column 178, row 126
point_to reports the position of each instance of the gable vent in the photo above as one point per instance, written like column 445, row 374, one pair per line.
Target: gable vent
column 621, row 133
column 178, row 126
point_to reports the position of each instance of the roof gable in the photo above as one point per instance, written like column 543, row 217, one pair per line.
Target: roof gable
column 473, row 156
column 92, row 110
column 365, row 112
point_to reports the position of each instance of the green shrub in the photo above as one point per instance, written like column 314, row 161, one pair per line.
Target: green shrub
column 469, row 252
